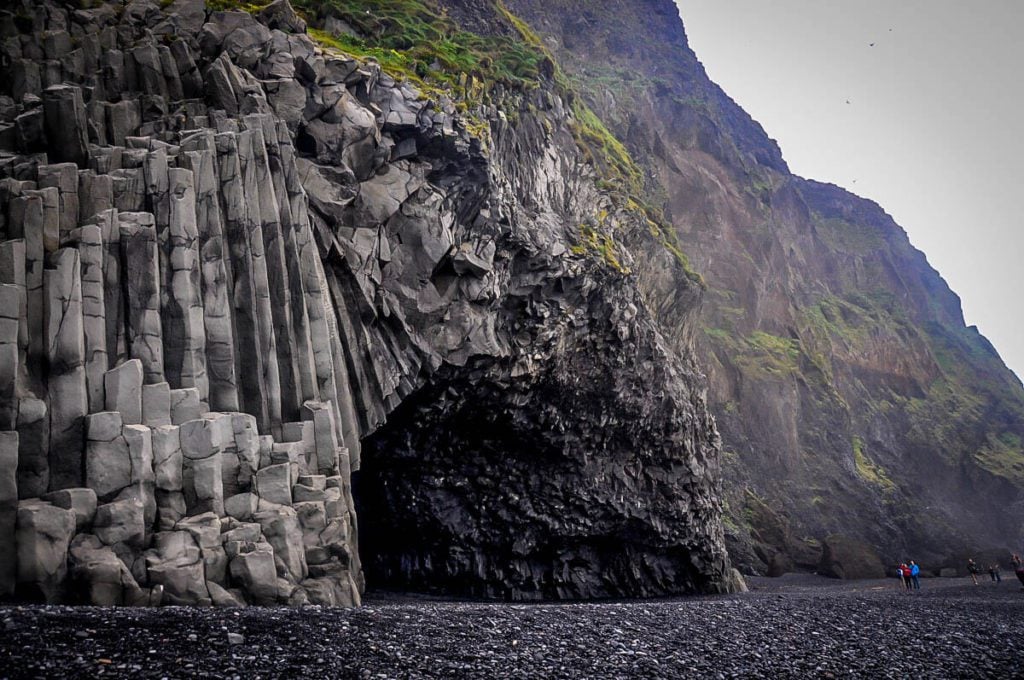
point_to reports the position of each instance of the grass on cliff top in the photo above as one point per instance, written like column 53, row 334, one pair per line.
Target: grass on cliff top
column 228, row 5
column 413, row 39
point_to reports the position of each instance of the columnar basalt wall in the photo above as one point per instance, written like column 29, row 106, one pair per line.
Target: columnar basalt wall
column 228, row 258
column 167, row 434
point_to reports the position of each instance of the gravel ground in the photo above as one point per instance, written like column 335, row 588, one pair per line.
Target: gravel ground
column 794, row 626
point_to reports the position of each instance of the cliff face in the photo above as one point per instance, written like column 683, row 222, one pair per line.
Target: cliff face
column 239, row 266
column 851, row 397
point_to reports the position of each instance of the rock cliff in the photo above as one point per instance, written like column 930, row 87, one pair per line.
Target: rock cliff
column 238, row 266
column 856, row 408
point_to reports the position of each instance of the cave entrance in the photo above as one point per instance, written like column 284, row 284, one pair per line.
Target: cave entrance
column 382, row 538
column 435, row 498
column 397, row 500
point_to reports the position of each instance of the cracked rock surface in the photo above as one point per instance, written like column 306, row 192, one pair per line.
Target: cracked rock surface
column 237, row 269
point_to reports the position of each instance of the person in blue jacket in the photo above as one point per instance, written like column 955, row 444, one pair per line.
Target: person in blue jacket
column 915, row 575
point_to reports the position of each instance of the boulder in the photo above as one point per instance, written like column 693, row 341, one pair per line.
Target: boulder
column 281, row 16
column 282, row 530
column 222, row 597
column 330, row 189
column 121, row 522
column 337, row 591
column 82, row 502
column 245, row 532
column 175, row 562
column 301, row 492
column 44, row 534
column 254, row 570
column 247, row 43
column 273, row 484
column 313, row 520
column 242, row 506
column 380, row 197
column 102, row 579
column 848, row 558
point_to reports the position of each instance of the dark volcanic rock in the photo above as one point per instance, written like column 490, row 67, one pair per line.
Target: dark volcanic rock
column 260, row 254
column 845, row 557
column 501, row 483
column 851, row 396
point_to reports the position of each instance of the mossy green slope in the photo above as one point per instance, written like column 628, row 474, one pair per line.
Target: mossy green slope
column 422, row 41
column 851, row 396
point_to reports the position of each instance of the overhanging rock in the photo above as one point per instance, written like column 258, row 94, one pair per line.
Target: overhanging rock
column 228, row 257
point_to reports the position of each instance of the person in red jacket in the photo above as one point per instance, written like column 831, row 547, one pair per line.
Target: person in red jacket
column 1018, row 568
column 905, row 575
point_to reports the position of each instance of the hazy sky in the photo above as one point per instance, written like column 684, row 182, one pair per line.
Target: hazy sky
column 929, row 122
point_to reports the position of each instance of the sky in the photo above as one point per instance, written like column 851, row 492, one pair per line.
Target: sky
column 915, row 104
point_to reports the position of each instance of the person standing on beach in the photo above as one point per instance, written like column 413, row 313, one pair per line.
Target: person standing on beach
column 905, row 575
column 915, row 575
column 993, row 572
column 972, row 569
column 1018, row 568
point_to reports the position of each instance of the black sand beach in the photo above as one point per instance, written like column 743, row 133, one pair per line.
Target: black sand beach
column 794, row 626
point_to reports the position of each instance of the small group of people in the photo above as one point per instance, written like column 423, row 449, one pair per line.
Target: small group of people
column 909, row 573
column 994, row 570
column 910, row 576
